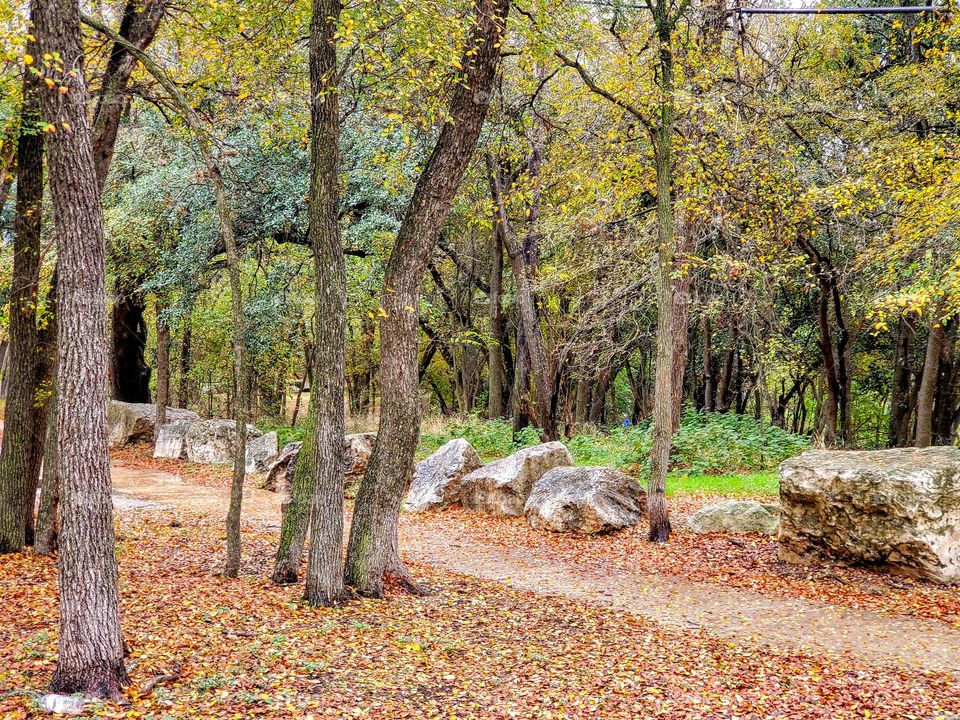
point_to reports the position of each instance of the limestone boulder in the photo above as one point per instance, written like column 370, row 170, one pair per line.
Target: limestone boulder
column 172, row 441
column 357, row 451
column 736, row 516
column 280, row 472
column 585, row 500
column 211, row 441
column 261, row 451
column 897, row 510
column 130, row 423
column 437, row 477
column 502, row 487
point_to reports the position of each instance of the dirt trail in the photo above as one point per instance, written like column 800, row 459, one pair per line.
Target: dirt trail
column 737, row 615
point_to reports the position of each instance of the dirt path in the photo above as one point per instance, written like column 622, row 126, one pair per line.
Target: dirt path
column 738, row 615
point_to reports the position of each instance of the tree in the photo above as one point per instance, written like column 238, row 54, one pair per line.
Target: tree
column 17, row 486
column 324, row 567
column 90, row 658
column 372, row 551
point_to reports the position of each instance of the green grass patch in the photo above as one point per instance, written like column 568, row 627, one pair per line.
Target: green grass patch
column 760, row 483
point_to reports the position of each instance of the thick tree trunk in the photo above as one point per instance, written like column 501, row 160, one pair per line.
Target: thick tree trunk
column 372, row 551
column 17, row 452
column 928, row 381
column 90, row 657
column 657, row 514
column 131, row 373
column 324, row 584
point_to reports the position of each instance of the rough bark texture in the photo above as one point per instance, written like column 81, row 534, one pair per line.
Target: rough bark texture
column 17, row 453
column 928, row 382
column 163, row 373
column 663, row 394
column 90, row 656
column 296, row 510
column 324, row 585
column 496, row 367
column 372, row 551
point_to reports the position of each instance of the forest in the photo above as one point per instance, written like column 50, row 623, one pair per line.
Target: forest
column 682, row 240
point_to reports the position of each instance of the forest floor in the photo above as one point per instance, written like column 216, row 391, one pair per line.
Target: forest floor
column 519, row 624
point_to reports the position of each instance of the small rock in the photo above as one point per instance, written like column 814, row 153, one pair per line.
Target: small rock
column 436, row 478
column 358, row 449
column 280, row 472
column 586, row 500
column 63, row 704
column 736, row 516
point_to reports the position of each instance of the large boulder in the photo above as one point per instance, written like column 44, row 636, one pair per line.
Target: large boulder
column 502, row 487
column 436, row 478
column 260, row 452
column 357, row 451
column 586, row 500
column 211, row 441
column 172, row 441
column 280, row 472
column 131, row 423
column 736, row 516
column 894, row 509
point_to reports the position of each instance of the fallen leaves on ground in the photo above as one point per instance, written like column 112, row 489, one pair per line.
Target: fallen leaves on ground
column 472, row 649
column 748, row 562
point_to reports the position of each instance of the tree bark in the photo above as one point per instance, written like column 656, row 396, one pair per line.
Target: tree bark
column 526, row 302
column 17, row 452
column 657, row 513
column 90, row 659
column 372, row 551
column 901, row 406
column 296, row 510
column 183, row 382
column 707, row 364
column 324, row 585
column 928, row 381
column 496, row 368
column 163, row 371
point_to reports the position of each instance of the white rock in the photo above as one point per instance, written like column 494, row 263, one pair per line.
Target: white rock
column 211, row 441
column 261, row 451
column 502, row 487
column 133, row 422
column 172, row 441
column 63, row 704
column 736, row 516
column 586, row 500
column 436, row 478
column 893, row 509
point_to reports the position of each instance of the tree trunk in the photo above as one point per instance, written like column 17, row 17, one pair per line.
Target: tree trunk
column 372, row 551
column 901, row 408
column 296, row 509
column 17, row 452
column 707, row 364
column 496, row 368
column 928, row 381
column 163, row 371
column 657, row 513
column 832, row 402
column 324, row 584
column 183, row 386
column 526, row 303
column 90, row 656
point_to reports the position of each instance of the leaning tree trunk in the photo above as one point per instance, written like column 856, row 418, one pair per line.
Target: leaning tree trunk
column 928, row 382
column 296, row 509
column 324, row 585
column 17, row 453
column 90, row 657
column 372, row 552
column 657, row 514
